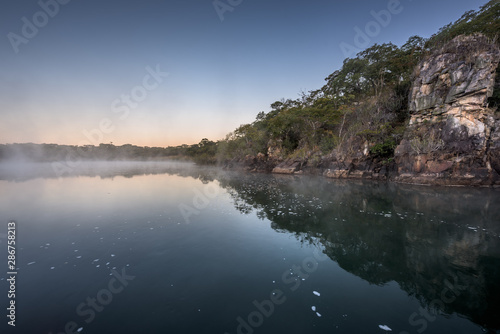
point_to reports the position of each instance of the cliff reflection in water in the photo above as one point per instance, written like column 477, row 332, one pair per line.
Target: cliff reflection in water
column 441, row 245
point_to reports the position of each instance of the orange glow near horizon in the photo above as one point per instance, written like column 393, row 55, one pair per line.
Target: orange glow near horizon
column 136, row 142
column 96, row 128
column 94, row 136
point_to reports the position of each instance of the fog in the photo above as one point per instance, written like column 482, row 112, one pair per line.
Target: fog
column 26, row 161
column 13, row 170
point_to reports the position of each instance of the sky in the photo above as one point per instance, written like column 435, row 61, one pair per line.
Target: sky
column 165, row 73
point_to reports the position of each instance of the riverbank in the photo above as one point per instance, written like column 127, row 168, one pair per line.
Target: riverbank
column 385, row 173
column 451, row 136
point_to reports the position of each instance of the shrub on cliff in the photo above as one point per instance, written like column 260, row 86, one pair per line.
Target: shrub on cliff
column 486, row 21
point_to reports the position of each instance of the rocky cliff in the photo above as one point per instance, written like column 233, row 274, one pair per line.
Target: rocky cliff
column 453, row 135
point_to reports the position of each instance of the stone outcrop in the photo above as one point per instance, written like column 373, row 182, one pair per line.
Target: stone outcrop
column 452, row 137
column 288, row 167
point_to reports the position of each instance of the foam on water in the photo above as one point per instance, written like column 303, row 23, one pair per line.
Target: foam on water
column 385, row 328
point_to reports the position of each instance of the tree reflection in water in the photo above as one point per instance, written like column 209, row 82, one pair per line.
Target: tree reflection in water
column 441, row 245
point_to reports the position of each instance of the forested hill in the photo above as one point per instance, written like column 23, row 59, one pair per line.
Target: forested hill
column 355, row 122
column 365, row 99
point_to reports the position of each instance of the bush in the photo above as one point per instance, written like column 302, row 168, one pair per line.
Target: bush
column 385, row 149
column 426, row 144
column 328, row 143
column 494, row 100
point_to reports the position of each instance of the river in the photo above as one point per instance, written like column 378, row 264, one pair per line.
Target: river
column 150, row 247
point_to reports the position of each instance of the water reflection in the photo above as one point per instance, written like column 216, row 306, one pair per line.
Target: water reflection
column 441, row 245
column 18, row 172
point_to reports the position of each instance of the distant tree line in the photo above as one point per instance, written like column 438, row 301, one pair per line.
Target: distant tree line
column 53, row 152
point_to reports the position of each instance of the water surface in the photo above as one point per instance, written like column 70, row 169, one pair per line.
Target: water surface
column 173, row 248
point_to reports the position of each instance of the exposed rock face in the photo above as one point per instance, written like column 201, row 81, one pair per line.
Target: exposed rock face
column 460, row 78
column 453, row 136
column 287, row 167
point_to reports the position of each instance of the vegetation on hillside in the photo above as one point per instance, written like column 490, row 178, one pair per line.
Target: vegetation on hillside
column 364, row 104
column 485, row 20
column 365, row 101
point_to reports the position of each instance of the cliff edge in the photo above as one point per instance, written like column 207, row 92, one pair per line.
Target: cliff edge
column 453, row 136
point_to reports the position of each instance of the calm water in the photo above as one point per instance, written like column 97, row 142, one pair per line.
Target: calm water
column 172, row 248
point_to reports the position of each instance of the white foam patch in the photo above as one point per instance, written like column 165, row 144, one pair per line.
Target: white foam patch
column 313, row 308
column 385, row 328
column 318, row 314
column 29, row 264
column 317, row 293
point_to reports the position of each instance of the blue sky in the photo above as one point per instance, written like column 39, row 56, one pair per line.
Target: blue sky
column 68, row 82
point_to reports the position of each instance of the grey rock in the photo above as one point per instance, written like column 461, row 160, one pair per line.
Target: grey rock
column 449, row 99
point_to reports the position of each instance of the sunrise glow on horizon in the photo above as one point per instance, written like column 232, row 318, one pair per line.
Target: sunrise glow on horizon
column 166, row 73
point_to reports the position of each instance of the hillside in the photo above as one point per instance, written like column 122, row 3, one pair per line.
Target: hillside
column 352, row 125
column 424, row 112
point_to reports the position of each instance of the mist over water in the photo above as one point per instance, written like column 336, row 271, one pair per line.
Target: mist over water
column 16, row 170
column 205, row 246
